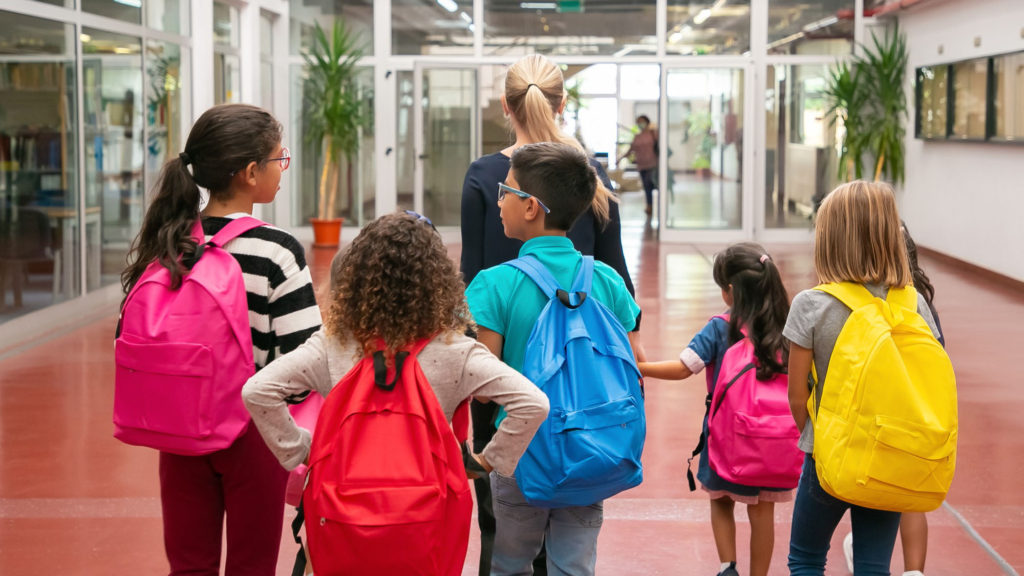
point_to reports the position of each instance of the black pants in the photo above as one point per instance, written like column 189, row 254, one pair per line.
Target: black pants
column 483, row 430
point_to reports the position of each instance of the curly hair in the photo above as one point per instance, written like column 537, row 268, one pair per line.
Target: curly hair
column 396, row 283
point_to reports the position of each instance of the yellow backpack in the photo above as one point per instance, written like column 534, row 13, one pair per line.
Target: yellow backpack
column 885, row 429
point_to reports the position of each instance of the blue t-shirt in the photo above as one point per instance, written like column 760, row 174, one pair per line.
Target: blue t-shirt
column 710, row 345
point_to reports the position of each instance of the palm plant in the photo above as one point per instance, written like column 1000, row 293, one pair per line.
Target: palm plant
column 868, row 94
column 335, row 111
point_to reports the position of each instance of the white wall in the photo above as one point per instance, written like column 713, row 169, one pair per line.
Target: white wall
column 964, row 199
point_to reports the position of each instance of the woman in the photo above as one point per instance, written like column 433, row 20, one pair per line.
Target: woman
column 645, row 155
column 534, row 96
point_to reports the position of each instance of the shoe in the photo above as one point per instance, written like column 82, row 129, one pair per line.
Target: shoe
column 848, row 551
column 730, row 571
column 647, row 210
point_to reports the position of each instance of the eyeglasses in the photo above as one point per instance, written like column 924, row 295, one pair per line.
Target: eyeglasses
column 505, row 188
column 285, row 159
column 421, row 218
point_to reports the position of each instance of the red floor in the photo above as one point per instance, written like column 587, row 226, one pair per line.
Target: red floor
column 75, row 501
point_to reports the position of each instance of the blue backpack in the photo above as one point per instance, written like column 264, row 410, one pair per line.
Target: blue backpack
column 578, row 353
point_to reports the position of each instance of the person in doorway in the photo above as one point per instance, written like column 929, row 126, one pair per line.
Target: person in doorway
column 644, row 150
column 534, row 95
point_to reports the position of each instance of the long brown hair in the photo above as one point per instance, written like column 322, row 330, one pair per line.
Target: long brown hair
column 534, row 92
column 395, row 282
column 225, row 139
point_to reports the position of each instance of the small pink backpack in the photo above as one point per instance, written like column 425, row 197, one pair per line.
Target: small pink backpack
column 183, row 355
column 752, row 437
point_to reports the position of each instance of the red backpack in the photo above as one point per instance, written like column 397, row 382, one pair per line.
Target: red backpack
column 387, row 490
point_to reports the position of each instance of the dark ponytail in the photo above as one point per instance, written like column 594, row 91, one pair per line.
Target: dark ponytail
column 922, row 283
column 759, row 302
column 223, row 141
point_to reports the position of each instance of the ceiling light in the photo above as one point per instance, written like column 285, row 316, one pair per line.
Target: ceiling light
column 675, row 37
column 448, row 5
column 823, row 23
column 538, row 5
column 700, row 17
column 132, row 3
column 86, row 38
column 466, row 17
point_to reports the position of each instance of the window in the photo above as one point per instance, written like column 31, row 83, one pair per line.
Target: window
column 933, row 88
column 970, row 90
column 1008, row 97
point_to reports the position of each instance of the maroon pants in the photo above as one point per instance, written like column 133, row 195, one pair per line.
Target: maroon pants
column 246, row 482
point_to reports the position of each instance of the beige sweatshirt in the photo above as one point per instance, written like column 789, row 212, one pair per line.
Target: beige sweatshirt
column 456, row 366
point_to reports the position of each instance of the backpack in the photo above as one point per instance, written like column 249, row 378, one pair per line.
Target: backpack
column 578, row 353
column 387, row 490
column 752, row 437
column 183, row 355
column 885, row 428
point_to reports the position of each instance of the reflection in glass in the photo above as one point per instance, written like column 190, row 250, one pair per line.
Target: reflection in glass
column 164, row 100
column 39, row 216
column 357, row 186
column 112, row 99
column 225, row 25
column 168, row 15
column 621, row 28
column 266, row 60
column 810, row 26
column 1009, row 96
column 704, row 133
column 405, row 147
column 449, row 140
column 708, row 27
column 432, row 27
column 934, row 99
column 801, row 145
column 304, row 15
column 970, row 88
column 125, row 10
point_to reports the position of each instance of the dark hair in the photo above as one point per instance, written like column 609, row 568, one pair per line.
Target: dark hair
column 560, row 176
column 643, row 117
column 223, row 141
column 395, row 282
column 921, row 281
column 759, row 302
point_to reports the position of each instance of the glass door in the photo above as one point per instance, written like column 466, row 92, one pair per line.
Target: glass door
column 446, row 138
column 707, row 166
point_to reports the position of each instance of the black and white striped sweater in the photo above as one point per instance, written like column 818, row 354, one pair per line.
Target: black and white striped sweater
column 282, row 307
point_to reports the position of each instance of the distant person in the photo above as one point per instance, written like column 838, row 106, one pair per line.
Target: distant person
column 644, row 150
column 534, row 96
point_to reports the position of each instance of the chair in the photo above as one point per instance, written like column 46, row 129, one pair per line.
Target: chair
column 25, row 237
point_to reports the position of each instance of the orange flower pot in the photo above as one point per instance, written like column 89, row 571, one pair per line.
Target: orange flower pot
column 326, row 232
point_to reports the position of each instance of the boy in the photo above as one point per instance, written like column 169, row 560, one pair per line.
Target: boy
column 548, row 187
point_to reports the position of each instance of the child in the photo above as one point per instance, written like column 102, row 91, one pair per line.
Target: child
column 548, row 187
column 857, row 239
column 396, row 283
column 752, row 289
column 235, row 152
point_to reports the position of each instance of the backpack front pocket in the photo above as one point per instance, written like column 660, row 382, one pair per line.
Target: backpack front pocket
column 912, row 456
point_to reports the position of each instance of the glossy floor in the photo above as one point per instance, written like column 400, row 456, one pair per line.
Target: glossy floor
column 75, row 501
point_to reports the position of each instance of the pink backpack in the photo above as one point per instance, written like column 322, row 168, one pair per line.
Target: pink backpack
column 183, row 355
column 752, row 438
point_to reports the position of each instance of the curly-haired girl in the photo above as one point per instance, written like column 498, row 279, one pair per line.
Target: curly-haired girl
column 396, row 283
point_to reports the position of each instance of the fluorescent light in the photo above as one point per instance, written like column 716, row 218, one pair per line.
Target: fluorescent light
column 687, row 29
column 823, row 23
column 675, row 37
column 538, row 5
column 448, row 5
column 702, row 16
column 86, row 38
column 132, row 3
column 466, row 17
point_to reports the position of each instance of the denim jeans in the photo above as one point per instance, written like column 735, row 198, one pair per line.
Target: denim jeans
column 570, row 533
column 815, row 517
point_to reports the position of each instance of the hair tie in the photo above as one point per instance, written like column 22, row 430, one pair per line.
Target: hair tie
column 185, row 159
column 532, row 84
column 764, row 258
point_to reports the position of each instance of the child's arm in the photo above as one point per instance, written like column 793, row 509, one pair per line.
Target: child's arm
column 799, row 367
column 638, row 349
column 667, row 370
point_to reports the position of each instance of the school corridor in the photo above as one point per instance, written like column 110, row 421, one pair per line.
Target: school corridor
column 74, row 501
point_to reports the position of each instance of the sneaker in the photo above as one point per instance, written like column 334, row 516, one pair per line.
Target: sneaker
column 848, row 551
column 730, row 571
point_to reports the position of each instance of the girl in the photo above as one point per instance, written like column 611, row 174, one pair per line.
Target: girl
column 753, row 290
column 235, row 152
column 395, row 282
column 534, row 96
column 857, row 239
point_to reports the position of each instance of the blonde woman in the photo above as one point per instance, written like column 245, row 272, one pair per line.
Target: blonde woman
column 534, row 96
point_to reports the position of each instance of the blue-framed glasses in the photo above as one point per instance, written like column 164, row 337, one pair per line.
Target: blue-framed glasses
column 505, row 189
column 421, row 218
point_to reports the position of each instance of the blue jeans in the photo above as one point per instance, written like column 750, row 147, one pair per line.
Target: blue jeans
column 569, row 534
column 815, row 517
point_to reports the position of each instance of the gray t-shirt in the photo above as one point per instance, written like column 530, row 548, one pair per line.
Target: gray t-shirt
column 814, row 322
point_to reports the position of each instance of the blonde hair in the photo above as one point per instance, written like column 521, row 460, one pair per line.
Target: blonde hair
column 858, row 237
column 534, row 91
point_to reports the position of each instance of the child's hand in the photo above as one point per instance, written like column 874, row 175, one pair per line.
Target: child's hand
column 666, row 370
column 476, row 465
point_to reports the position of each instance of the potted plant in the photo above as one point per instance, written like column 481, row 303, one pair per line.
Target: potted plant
column 335, row 115
column 700, row 128
column 868, row 94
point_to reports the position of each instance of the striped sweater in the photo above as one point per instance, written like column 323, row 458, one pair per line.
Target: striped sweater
column 282, row 307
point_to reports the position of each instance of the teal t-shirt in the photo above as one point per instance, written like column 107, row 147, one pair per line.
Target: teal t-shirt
column 506, row 301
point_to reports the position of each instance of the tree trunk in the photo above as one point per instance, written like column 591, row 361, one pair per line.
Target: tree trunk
column 321, row 205
column 878, row 166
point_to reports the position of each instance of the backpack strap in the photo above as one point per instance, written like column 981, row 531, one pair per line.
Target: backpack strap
column 234, row 229
column 905, row 297
column 851, row 294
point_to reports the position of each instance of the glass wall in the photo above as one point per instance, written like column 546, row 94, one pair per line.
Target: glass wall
column 801, row 143
column 1008, row 100
column 970, row 93
column 304, row 16
column 227, row 81
column 449, row 139
column 38, row 158
column 438, row 28
column 823, row 27
column 708, row 27
column 165, row 100
column 932, row 103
